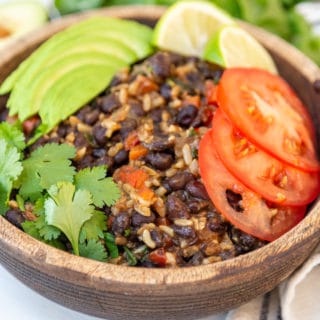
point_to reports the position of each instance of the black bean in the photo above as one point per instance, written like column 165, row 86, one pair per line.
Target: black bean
column 91, row 117
column 234, row 200
column 176, row 208
column 98, row 153
column 136, row 108
column 121, row 157
column 196, row 259
column 80, row 140
column 160, row 144
column 156, row 114
column 106, row 161
column 179, row 180
column 316, row 86
column 120, row 223
column 15, row 217
column 159, row 160
column 108, row 103
column 186, row 115
column 128, row 126
column 99, row 135
column 82, row 112
column 160, row 64
column 138, row 219
column 196, row 205
column 184, row 231
column 243, row 241
column 216, row 224
column 197, row 189
column 157, row 237
column 165, row 91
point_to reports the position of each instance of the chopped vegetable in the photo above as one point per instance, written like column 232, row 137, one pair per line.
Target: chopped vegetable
column 111, row 245
column 68, row 209
column 267, row 111
column 10, row 169
column 45, row 167
column 245, row 209
column 132, row 260
column 93, row 249
column 262, row 173
column 103, row 190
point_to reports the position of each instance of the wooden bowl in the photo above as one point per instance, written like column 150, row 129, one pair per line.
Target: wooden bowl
column 120, row 292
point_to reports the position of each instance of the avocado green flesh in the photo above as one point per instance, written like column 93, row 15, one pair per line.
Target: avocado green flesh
column 131, row 34
column 31, row 96
column 116, row 51
column 82, row 84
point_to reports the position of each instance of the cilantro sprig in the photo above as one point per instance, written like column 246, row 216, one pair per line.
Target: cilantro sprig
column 64, row 201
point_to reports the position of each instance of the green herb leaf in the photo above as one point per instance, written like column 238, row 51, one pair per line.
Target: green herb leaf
column 13, row 135
column 68, row 209
column 94, row 250
column 10, row 169
column 93, row 229
column 103, row 190
column 46, row 166
column 111, row 245
column 132, row 260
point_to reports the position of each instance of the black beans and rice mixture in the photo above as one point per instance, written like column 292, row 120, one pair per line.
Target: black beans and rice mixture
column 148, row 124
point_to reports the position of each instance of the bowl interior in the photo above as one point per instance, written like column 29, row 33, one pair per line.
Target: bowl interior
column 120, row 292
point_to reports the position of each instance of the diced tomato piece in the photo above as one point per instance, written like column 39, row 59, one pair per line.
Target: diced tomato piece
column 158, row 257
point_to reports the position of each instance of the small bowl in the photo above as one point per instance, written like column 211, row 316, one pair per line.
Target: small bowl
column 120, row 292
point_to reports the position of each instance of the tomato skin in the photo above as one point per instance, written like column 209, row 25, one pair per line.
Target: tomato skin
column 262, row 220
column 276, row 181
column 265, row 109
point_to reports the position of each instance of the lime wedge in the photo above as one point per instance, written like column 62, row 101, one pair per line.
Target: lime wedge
column 186, row 27
column 232, row 46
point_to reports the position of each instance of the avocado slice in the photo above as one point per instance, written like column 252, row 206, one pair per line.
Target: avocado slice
column 72, row 67
column 133, row 34
column 28, row 101
column 115, row 51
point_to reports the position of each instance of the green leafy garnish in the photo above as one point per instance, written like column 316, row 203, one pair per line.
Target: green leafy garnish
column 103, row 190
column 13, row 135
column 132, row 260
column 46, row 166
column 111, row 245
column 93, row 229
column 68, row 209
column 94, row 250
column 10, row 169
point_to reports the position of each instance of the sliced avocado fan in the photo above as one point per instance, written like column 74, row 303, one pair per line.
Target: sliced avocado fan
column 72, row 67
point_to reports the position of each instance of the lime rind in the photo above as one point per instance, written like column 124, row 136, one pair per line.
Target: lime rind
column 187, row 25
column 232, row 46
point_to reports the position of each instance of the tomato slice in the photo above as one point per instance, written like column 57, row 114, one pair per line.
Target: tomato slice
column 273, row 179
column 264, row 107
column 257, row 217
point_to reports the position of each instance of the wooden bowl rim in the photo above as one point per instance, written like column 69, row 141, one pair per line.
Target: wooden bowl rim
column 90, row 271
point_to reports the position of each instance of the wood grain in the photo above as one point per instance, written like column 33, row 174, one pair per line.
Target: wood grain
column 119, row 292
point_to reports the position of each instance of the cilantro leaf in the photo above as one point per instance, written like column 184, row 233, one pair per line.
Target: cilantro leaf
column 132, row 260
column 103, row 190
column 13, row 135
column 68, row 209
column 94, row 250
column 46, row 231
column 93, row 229
column 46, row 166
column 111, row 245
column 10, row 169
column 30, row 227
